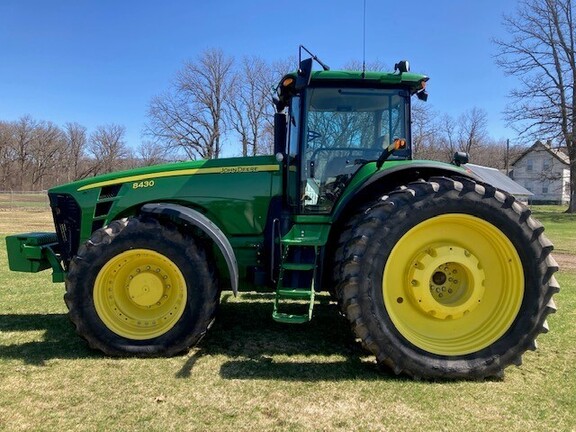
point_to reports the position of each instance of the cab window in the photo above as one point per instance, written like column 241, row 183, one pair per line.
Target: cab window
column 344, row 129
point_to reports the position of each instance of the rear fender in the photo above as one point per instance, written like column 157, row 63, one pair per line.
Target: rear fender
column 197, row 219
column 386, row 180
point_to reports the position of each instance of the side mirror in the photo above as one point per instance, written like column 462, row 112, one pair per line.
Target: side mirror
column 304, row 74
column 460, row 158
column 422, row 95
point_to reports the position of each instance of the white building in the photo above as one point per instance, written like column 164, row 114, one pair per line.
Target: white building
column 544, row 171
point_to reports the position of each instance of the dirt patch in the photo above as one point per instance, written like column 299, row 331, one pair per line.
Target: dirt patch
column 565, row 261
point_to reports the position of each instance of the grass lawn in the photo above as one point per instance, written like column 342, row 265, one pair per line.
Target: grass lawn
column 560, row 227
column 250, row 373
column 27, row 200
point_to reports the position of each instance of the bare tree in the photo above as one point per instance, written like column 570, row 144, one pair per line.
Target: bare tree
column 108, row 148
column 374, row 65
column 250, row 105
column 472, row 130
column 540, row 51
column 493, row 153
column 468, row 133
column 6, row 155
column 191, row 116
column 448, row 137
column 424, row 130
column 281, row 67
column 75, row 143
column 23, row 133
column 150, row 153
column 45, row 152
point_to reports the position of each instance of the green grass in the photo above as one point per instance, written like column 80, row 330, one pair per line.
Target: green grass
column 560, row 226
column 250, row 373
column 24, row 200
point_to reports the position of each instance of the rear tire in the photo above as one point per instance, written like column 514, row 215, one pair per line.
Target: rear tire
column 446, row 279
column 139, row 288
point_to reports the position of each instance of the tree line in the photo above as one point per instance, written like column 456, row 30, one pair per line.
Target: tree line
column 439, row 136
column 38, row 154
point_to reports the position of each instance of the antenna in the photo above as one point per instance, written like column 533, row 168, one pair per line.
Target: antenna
column 320, row 62
column 364, row 44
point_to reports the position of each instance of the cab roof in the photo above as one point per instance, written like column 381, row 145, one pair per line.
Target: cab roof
column 412, row 80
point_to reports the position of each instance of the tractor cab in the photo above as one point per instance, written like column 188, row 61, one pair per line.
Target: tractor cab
column 338, row 121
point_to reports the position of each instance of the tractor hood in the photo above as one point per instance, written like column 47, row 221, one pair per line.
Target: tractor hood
column 141, row 177
column 233, row 193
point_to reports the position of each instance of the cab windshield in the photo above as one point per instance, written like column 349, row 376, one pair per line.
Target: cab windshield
column 346, row 128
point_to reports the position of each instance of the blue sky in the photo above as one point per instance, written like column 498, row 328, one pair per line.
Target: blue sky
column 101, row 61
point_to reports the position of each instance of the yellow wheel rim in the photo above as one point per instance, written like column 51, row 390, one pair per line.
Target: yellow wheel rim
column 140, row 294
column 453, row 284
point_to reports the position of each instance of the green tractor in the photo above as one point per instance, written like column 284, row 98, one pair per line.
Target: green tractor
column 440, row 274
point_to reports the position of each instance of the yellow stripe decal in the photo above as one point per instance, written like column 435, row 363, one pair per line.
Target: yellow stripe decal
column 185, row 172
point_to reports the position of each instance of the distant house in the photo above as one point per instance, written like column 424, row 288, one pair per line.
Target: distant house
column 497, row 178
column 544, row 171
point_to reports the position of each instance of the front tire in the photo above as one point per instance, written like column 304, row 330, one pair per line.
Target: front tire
column 139, row 288
column 446, row 279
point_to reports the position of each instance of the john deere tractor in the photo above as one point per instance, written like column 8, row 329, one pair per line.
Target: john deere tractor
column 439, row 274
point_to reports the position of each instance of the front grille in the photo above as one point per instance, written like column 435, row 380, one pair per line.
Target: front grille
column 67, row 214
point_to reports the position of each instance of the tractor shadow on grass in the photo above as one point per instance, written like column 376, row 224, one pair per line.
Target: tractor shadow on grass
column 259, row 348
column 253, row 345
column 56, row 338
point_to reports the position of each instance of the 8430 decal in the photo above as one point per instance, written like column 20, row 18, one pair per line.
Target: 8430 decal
column 143, row 184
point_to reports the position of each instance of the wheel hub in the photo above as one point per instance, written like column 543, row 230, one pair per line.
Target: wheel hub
column 145, row 289
column 447, row 282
